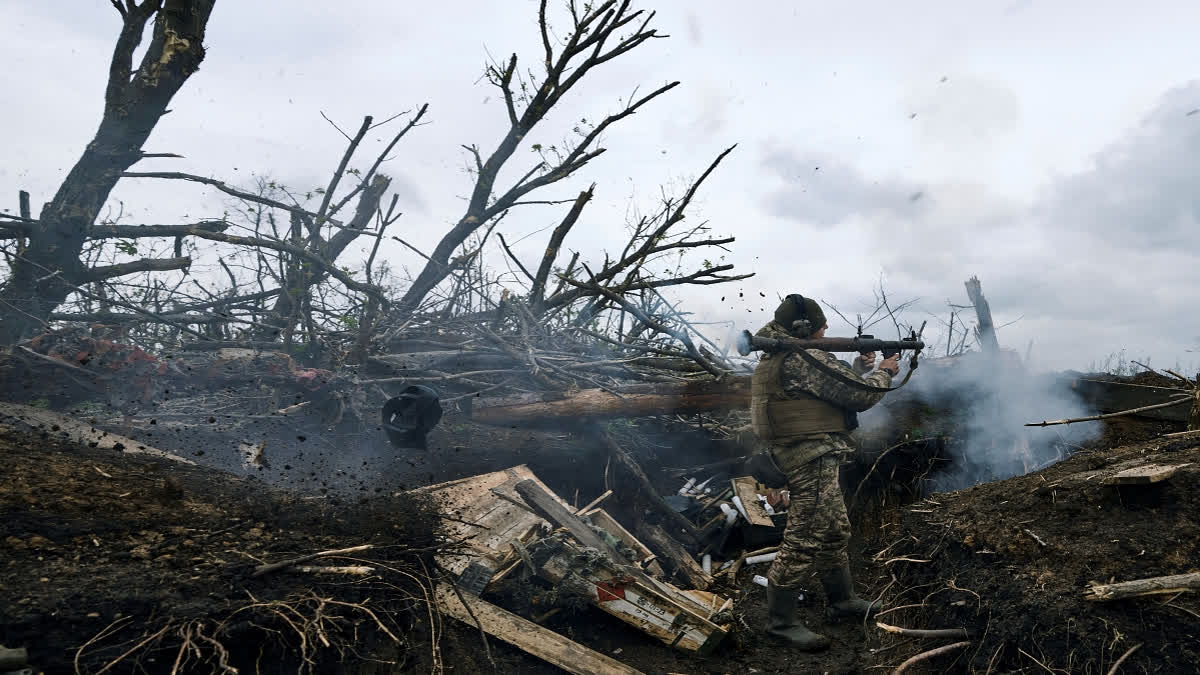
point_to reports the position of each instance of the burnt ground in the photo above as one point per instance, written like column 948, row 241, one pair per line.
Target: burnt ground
column 156, row 552
column 1009, row 561
column 112, row 559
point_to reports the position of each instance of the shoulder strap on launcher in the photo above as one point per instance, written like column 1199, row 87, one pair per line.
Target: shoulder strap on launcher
column 838, row 375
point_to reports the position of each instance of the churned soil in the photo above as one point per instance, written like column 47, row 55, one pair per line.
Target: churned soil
column 1009, row 561
column 135, row 563
column 142, row 564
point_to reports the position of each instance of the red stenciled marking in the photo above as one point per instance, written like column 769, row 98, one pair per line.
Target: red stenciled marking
column 608, row 592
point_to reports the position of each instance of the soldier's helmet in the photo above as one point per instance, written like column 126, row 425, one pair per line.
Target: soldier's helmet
column 799, row 315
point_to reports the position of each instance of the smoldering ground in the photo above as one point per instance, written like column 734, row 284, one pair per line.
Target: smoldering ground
column 982, row 402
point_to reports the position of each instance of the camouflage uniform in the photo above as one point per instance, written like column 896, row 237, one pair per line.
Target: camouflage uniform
column 814, row 540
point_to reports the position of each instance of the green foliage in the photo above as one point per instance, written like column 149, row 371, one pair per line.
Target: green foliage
column 126, row 247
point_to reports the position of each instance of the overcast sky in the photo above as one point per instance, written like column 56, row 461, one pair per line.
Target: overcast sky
column 1051, row 148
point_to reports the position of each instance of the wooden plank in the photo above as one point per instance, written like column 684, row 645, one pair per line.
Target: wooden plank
column 747, row 490
column 485, row 522
column 656, row 608
column 668, row 549
column 606, row 522
column 1145, row 474
column 528, row 636
column 540, row 499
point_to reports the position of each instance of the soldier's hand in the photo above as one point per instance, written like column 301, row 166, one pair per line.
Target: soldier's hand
column 891, row 364
column 865, row 361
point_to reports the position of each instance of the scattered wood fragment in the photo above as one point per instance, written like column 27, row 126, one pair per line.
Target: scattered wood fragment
column 1116, row 666
column 1177, row 583
column 1145, row 474
column 741, row 561
column 527, row 635
column 746, row 489
column 645, row 557
column 675, row 617
column 1181, row 434
column 667, row 548
column 923, row 656
column 13, row 658
column 644, row 487
column 923, row 632
column 485, row 523
column 265, row 569
column 1035, row 537
column 543, row 503
column 355, row 570
column 595, row 502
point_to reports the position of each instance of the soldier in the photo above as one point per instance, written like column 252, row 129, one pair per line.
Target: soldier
column 804, row 413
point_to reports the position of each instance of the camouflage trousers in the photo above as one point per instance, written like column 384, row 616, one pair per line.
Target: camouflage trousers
column 818, row 529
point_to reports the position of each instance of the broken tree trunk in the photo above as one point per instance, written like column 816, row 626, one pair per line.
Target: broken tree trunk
column 1177, row 583
column 983, row 313
column 630, row 401
column 51, row 267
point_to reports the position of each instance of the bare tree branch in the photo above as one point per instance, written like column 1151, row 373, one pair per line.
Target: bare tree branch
column 144, row 265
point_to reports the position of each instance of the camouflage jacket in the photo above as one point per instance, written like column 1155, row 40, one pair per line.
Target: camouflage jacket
column 799, row 376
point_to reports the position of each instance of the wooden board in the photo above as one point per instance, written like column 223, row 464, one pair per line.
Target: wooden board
column 488, row 524
column 665, row 546
column 677, row 618
column 1145, row 474
column 543, row 501
column 747, row 489
column 601, row 518
column 528, row 636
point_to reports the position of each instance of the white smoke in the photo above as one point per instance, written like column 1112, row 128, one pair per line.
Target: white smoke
column 983, row 402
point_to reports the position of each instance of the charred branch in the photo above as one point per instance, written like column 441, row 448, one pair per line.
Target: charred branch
column 585, row 48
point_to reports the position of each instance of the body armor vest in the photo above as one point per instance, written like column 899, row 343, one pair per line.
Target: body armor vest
column 775, row 415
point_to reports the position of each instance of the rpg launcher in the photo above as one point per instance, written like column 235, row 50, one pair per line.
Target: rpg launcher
column 747, row 343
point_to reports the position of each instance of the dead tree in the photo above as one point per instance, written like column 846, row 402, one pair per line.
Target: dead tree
column 598, row 34
column 48, row 268
column 986, row 330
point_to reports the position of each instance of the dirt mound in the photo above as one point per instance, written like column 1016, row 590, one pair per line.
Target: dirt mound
column 1009, row 561
column 147, row 563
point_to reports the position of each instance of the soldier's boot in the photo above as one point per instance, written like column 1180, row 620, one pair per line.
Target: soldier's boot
column 782, row 623
column 843, row 603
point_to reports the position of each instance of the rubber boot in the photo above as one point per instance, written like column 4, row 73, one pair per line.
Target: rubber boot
column 782, row 623
column 843, row 603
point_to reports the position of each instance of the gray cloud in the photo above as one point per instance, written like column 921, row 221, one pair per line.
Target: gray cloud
column 956, row 113
column 821, row 190
column 1142, row 191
